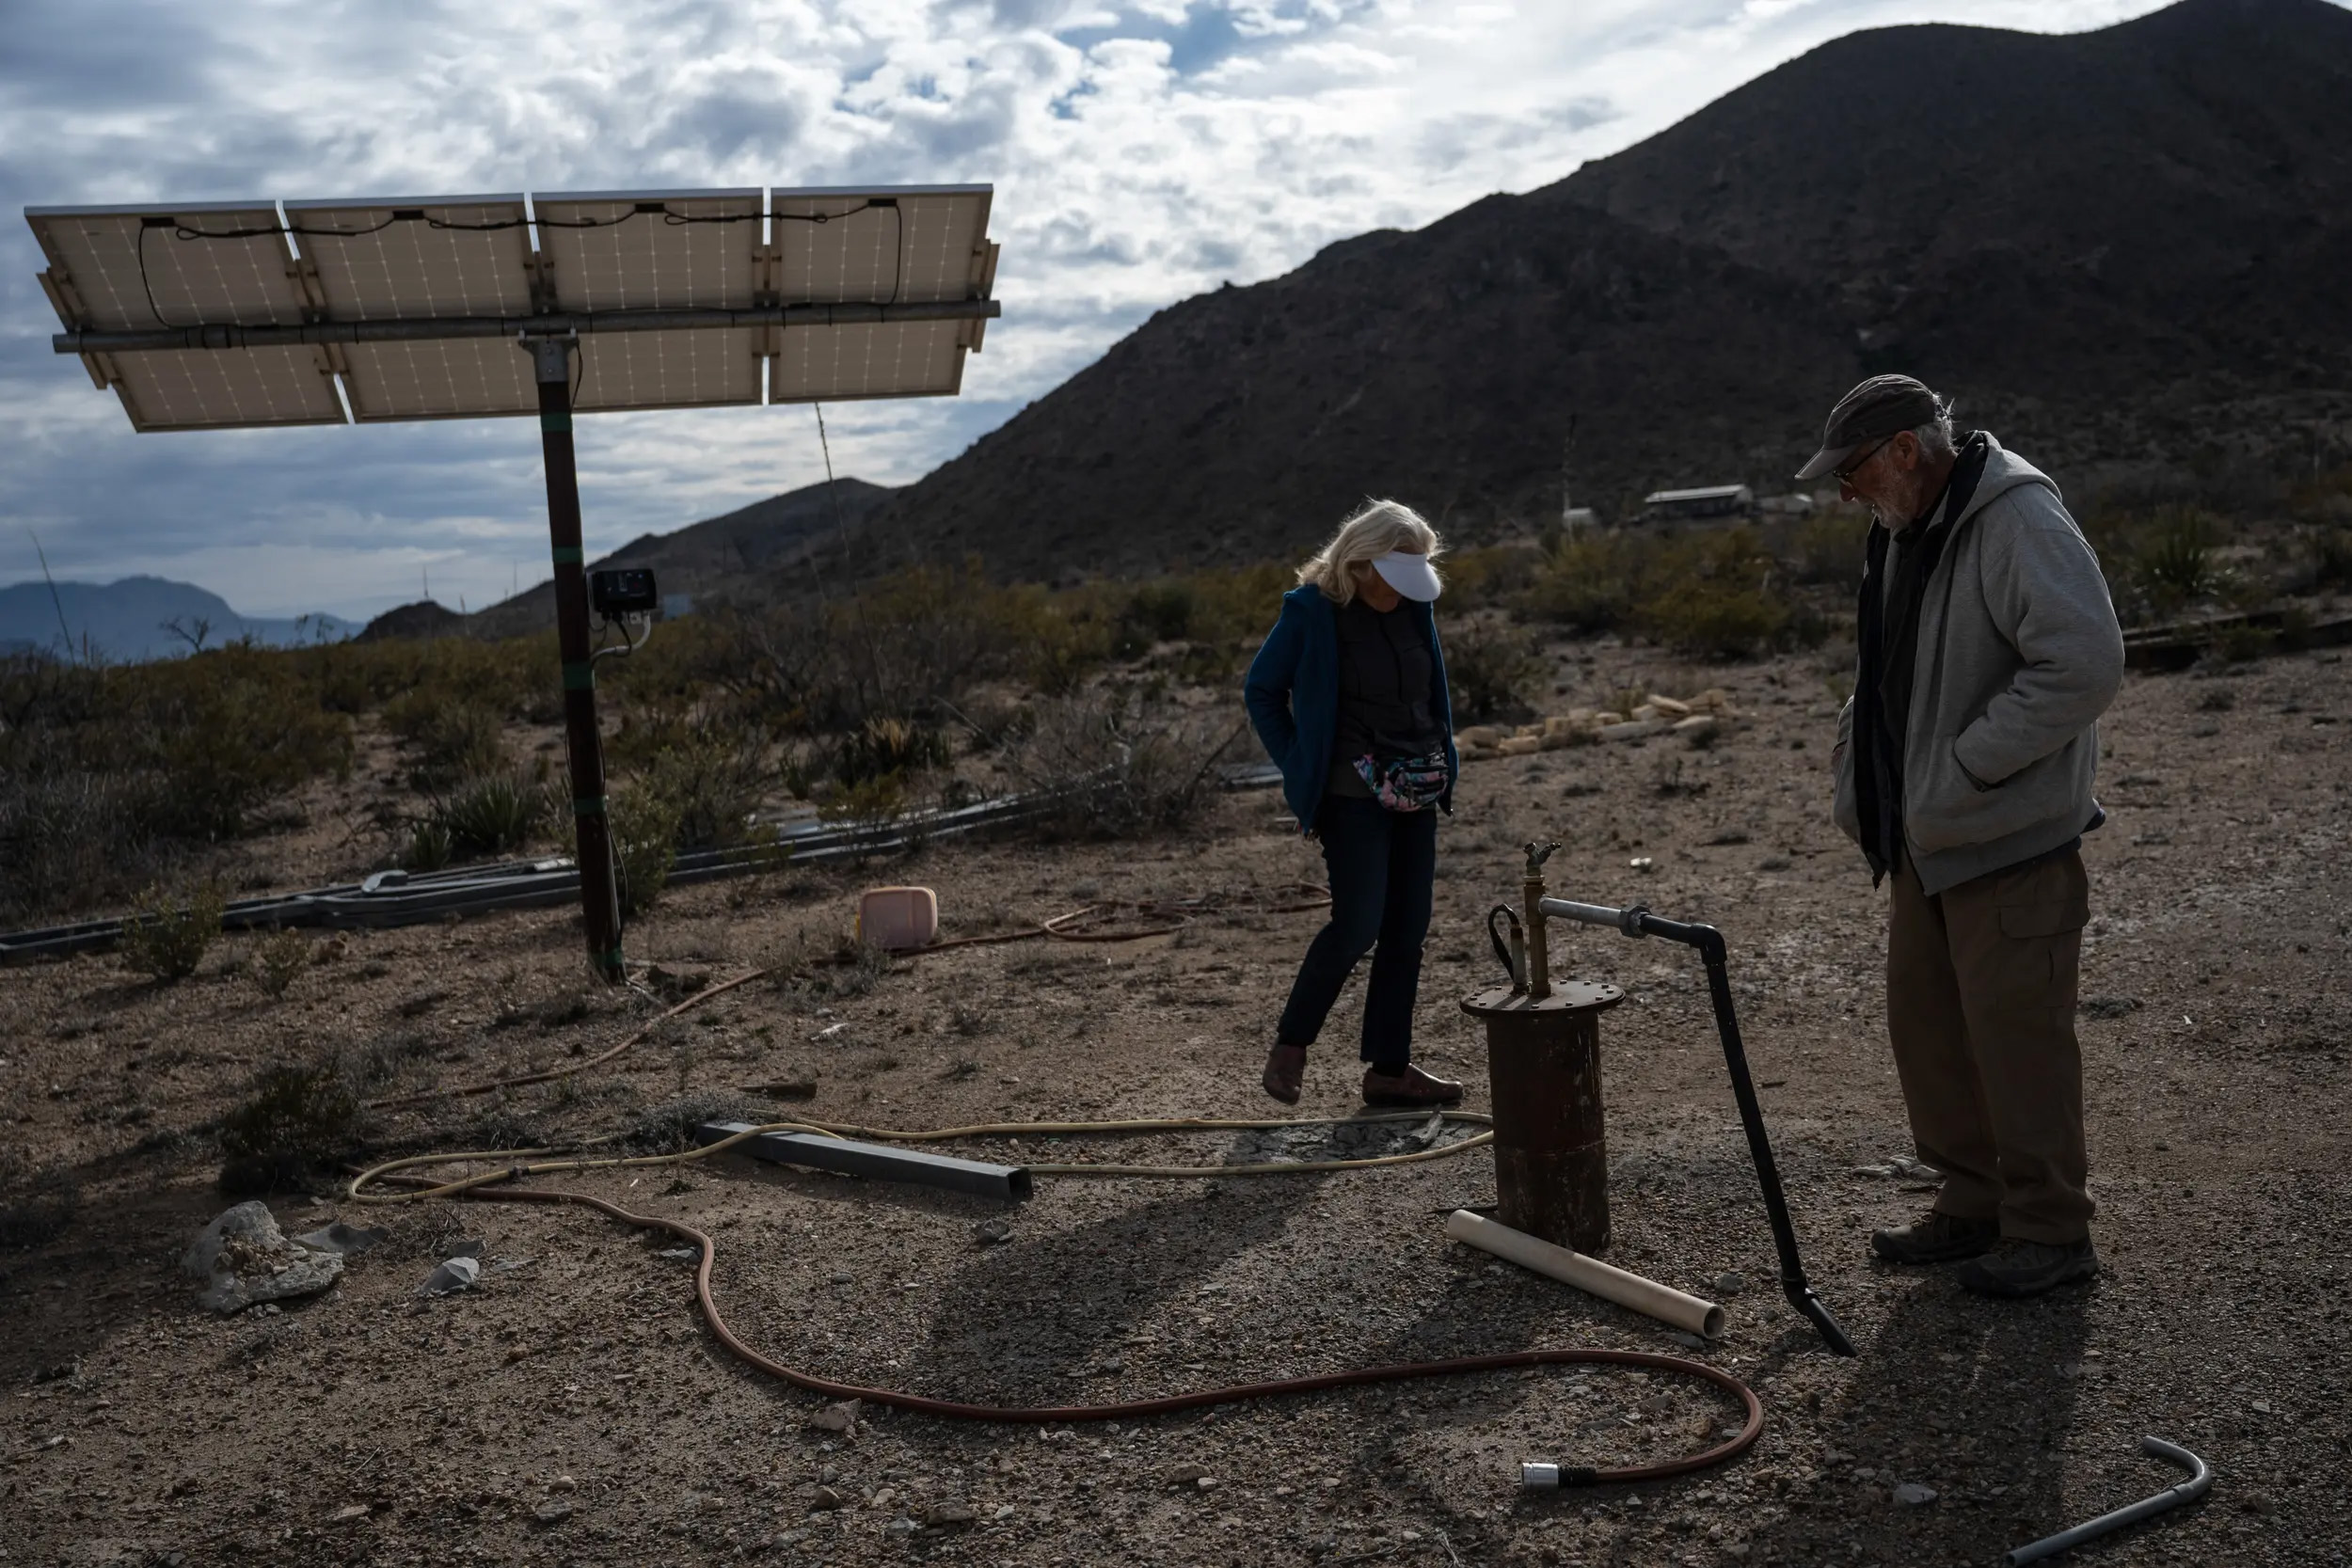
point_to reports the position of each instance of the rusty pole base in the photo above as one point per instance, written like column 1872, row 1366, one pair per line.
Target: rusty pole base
column 1551, row 1151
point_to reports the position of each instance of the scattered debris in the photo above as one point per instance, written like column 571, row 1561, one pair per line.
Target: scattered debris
column 454, row 1274
column 347, row 1240
column 681, row 1254
column 841, row 1417
column 1697, row 719
column 245, row 1260
column 829, row 1031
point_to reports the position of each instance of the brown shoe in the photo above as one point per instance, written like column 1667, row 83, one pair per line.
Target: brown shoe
column 1411, row 1087
column 1285, row 1069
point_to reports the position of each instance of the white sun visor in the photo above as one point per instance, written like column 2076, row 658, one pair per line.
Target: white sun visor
column 1409, row 575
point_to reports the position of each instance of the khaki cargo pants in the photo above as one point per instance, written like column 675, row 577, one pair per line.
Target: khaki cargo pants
column 1980, row 985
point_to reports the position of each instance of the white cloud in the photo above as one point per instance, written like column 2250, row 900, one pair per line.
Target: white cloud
column 1143, row 150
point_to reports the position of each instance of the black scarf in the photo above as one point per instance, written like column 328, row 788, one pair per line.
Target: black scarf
column 1887, row 628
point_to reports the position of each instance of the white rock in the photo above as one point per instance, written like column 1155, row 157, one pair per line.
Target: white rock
column 243, row 1259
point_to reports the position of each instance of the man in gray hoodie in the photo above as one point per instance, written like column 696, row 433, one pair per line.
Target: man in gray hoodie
column 1988, row 650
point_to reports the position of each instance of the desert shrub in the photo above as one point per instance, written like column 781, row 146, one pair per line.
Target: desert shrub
column 710, row 783
column 165, row 936
column 1714, row 596
column 2172, row 560
column 294, row 1116
column 1492, row 669
column 2331, row 556
column 888, row 745
column 429, row 847
column 644, row 823
column 447, row 742
column 1824, row 546
column 1591, row 583
column 72, row 836
column 491, row 813
column 873, row 801
column 278, row 957
column 1110, row 764
column 1157, row 612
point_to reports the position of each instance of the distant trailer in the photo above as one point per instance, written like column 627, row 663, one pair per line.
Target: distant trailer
column 1713, row 500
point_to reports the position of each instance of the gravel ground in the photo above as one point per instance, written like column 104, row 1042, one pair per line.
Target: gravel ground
column 573, row 1408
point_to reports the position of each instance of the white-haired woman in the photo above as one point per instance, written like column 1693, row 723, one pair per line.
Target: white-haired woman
column 1348, row 693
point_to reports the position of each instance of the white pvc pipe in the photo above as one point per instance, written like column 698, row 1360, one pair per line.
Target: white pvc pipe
column 1688, row 1313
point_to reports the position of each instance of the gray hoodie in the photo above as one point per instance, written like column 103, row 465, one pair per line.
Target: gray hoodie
column 2019, row 653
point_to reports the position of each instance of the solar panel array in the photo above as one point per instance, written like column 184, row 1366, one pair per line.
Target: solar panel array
column 510, row 257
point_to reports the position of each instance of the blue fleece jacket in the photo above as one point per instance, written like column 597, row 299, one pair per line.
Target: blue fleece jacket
column 1293, row 692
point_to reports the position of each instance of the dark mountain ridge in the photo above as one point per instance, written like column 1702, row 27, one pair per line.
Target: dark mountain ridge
column 2125, row 251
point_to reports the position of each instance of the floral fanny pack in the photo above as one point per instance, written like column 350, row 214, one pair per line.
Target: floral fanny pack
column 1405, row 783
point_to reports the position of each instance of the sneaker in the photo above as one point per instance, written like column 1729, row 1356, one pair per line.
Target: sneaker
column 1410, row 1087
column 1285, row 1070
column 2018, row 1268
column 1940, row 1237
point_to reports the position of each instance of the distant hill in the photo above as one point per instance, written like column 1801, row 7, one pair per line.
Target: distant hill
column 711, row 558
column 425, row 618
column 2125, row 251
column 129, row 620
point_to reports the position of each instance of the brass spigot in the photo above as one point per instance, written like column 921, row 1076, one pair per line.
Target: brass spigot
column 1538, row 953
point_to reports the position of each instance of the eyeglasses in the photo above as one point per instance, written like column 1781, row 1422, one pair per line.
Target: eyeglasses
column 1844, row 472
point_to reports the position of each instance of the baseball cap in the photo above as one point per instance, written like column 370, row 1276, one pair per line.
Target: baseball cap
column 1408, row 574
column 1881, row 407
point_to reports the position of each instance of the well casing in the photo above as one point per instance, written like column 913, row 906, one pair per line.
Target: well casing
column 1552, row 1150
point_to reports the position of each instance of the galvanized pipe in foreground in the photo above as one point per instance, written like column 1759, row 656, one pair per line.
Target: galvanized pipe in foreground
column 2199, row 1479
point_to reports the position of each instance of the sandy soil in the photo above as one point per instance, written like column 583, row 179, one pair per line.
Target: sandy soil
column 367, row 1425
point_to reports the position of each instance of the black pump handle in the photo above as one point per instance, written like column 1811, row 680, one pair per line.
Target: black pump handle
column 1637, row 921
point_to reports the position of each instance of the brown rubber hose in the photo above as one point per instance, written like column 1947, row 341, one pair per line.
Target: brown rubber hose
column 954, row 1410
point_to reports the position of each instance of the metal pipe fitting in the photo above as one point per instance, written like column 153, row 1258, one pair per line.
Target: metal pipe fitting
column 2199, row 1479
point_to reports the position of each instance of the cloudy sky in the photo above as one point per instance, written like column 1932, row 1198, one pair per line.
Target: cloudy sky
column 1142, row 150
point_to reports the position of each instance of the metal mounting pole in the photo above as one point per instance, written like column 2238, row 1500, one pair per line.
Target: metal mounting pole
column 552, row 360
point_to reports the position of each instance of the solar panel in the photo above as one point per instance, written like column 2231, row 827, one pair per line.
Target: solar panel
column 656, row 252
column 124, row 268
column 837, row 363
column 202, row 389
column 881, row 246
column 651, row 251
column 223, row 314
column 399, row 260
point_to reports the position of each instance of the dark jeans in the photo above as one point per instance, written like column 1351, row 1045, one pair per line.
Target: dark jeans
column 1382, row 864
